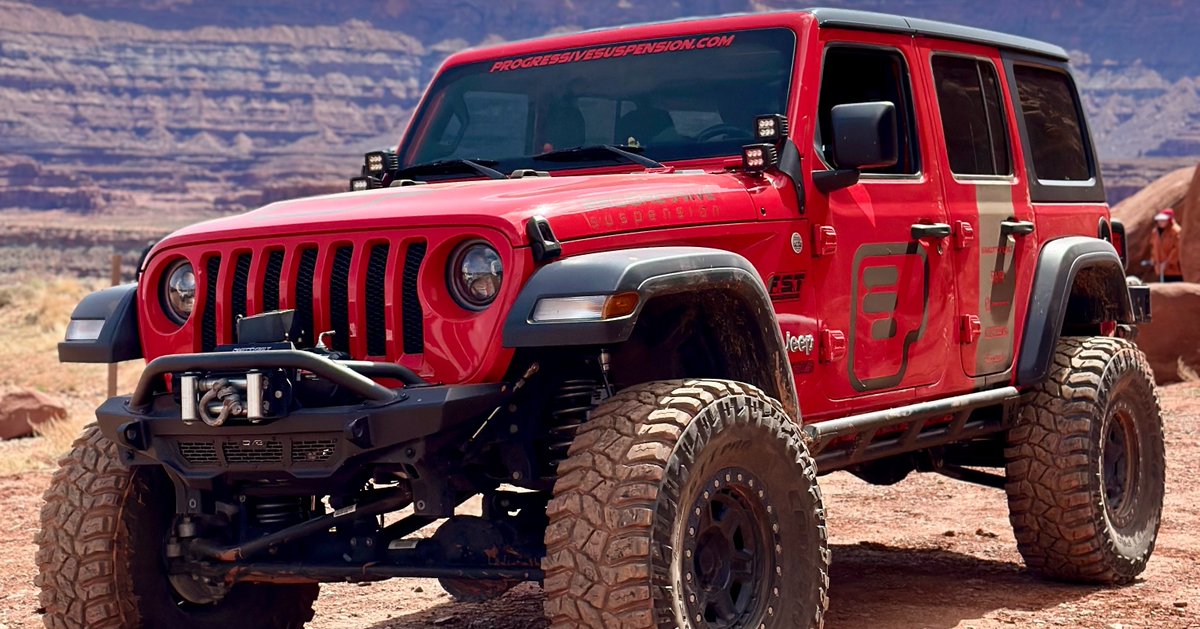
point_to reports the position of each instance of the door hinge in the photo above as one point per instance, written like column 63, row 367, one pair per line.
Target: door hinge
column 833, row 345
column 970, row 329
column 824, row 240
column 964, row 235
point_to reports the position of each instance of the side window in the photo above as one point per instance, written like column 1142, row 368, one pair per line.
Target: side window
column 972, row 120
column 1052, row 123
column 862, row 75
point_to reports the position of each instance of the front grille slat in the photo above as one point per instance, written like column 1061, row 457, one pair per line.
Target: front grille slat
column 208, row 319
column 339, row 298
column 375, row 300
column 302, row 322
column 414, row 325
column 270, row 295
column 241, row 276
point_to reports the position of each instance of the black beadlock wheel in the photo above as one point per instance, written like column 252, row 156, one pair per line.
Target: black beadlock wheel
column 101, row 556
column 1086, row 465
column 730, row 561
column 687, row 504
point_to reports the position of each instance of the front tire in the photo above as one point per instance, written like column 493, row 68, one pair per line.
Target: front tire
column 101, row 554
column 687, row 504
column 1086, row 470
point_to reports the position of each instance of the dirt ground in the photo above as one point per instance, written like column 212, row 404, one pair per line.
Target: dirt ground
column 928, row 552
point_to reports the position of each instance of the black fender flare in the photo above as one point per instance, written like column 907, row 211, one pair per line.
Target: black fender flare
column 118, row 338
column 1060, row 264
column 650, row 272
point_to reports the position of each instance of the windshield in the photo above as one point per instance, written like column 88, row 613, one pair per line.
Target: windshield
column 669, row 99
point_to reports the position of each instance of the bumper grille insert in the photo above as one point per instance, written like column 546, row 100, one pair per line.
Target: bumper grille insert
column 250, row 451
column 313, row 450
column 199, row 452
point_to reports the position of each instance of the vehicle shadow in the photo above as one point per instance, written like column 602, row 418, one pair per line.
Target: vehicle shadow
column 872, row 585
column 878, row 585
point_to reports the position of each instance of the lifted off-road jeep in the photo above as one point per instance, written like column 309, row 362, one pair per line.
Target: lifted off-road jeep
column 636, row 288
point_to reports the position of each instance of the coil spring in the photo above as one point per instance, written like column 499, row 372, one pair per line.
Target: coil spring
column 277, row 512
column 569, row 408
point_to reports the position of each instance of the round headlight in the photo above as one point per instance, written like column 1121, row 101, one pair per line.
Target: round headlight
column 179, row 291
column 475, row 274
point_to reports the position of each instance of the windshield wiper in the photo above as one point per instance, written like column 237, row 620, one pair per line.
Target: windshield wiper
column 595, row 152
column 478, row 166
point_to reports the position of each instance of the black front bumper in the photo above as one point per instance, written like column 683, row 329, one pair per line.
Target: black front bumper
column 309, row 444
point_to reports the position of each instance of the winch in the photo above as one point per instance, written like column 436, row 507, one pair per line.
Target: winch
column 216, row 399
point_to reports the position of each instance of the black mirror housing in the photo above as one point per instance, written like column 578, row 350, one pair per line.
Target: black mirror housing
column 865, row 135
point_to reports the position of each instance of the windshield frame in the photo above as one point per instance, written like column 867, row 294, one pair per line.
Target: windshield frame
column 432, row 100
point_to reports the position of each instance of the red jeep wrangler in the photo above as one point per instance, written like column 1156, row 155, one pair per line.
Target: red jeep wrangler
column 636, row 288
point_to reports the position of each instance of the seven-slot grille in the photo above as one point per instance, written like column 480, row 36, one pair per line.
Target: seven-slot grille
column 323, row 287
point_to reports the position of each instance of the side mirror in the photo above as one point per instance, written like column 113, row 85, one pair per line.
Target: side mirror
column 865, row 136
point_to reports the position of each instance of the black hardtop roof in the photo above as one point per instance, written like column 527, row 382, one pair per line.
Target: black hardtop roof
column 869, row 21
column 886, row 22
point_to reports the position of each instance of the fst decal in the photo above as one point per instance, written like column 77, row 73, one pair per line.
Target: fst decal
column 785, row 286
column 889, row 312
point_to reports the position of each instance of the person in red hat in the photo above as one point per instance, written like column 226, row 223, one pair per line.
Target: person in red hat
column 1164, row 247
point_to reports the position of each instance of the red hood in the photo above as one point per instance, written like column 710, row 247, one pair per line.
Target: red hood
column 576, row 206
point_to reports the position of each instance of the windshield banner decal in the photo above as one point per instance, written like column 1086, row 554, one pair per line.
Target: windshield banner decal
column 607, row 52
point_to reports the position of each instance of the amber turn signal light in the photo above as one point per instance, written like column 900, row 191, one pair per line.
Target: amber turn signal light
column 620, row 305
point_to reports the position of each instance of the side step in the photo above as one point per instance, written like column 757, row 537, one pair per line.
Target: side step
column 868, row 444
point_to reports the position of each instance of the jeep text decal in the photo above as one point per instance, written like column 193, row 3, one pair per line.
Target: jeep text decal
column 606, row 52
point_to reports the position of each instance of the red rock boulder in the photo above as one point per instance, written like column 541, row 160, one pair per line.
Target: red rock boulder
column 1137, row 212
column 21, row 410
column 1172, row 340
column 1189, row 246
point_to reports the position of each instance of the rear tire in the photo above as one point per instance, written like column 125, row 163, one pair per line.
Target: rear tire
column 101, row 554
column 1086, row 468
column 687, row 504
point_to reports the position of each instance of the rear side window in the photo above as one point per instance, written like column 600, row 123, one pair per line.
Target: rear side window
column 862, row 75
column 1052, row 123
column 972, row 118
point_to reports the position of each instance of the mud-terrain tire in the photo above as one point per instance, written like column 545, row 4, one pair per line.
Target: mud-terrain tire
column 687, row 504
column 101, row 554
column 1085, row 465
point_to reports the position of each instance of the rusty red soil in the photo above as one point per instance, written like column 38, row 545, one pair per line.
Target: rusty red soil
column 929, row 552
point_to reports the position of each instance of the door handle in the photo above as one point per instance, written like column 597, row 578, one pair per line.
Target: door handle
column 923, row 231
column 1016, row 228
